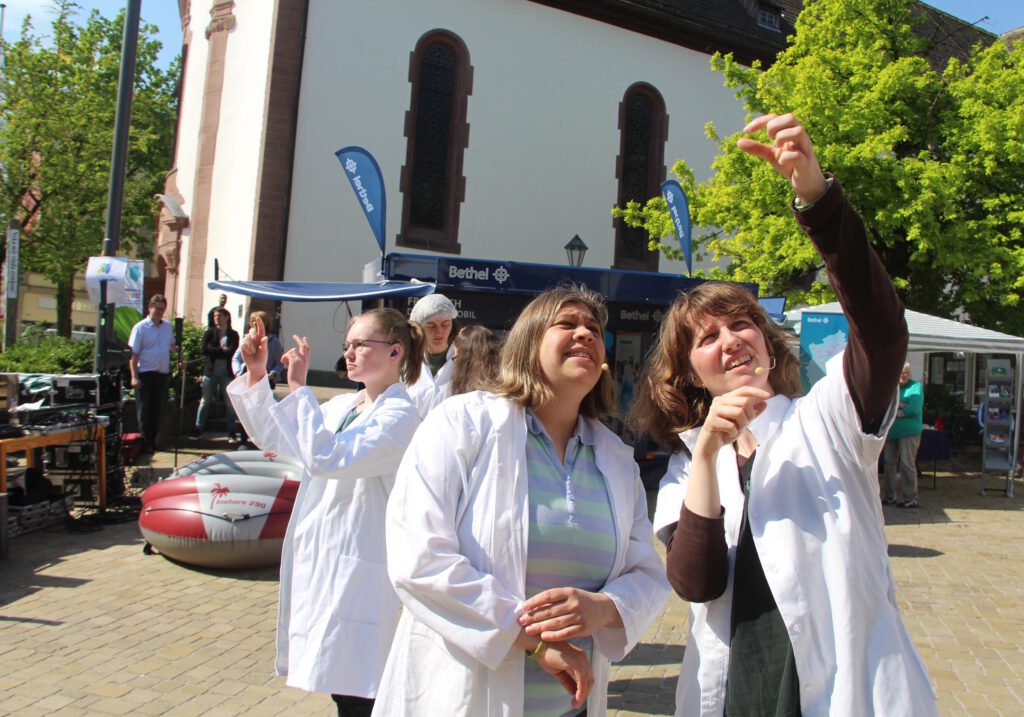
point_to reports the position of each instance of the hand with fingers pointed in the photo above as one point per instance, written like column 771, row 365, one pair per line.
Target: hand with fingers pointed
column 566, row 613
column 297, row 361
column 728, row 417
column 790, row 152
column 254, row 352
column 570, row 666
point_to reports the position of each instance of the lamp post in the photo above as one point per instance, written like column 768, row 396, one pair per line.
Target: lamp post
column 575, row 250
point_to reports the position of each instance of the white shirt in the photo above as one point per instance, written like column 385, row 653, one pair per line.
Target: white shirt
column 817, row 524
column 338, row 610
column 457, row 529
column 429, row 389
column 151, row 343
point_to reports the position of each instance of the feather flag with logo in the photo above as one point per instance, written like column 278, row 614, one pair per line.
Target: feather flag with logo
column 679, row 210
column 364, row 175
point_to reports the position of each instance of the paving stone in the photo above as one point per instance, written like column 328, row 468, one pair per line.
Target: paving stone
column 93, row 626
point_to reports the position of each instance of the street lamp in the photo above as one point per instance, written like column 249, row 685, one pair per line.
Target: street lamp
column 575, row 250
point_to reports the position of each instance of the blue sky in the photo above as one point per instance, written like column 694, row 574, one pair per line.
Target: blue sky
column 162, row 13
column 1003, row 15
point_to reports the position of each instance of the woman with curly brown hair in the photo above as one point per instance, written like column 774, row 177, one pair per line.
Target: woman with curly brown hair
column 770, row 505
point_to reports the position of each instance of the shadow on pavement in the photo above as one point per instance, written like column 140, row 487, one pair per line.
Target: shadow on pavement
column 912, row 551
column 636, row 695
column 652, row 653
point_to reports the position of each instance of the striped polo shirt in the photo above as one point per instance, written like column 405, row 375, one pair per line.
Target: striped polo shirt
column 572, row 539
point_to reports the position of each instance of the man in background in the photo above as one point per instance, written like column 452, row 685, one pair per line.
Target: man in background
column 152, row 342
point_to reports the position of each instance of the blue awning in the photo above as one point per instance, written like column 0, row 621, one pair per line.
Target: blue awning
column 322, row 290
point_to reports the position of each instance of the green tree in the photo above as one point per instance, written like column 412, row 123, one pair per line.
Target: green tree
column 933, row 159
column 58, row 96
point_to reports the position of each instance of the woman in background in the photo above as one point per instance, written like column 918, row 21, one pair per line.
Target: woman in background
column 438, row 317
column 338, row 611
column 476, row 360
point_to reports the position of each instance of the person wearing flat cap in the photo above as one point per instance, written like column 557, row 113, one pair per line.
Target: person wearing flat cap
column 438, row 317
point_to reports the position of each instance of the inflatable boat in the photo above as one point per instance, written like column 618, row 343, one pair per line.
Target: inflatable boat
column 228, row 510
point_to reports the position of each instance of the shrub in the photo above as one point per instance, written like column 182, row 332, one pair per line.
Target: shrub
column 39, row 352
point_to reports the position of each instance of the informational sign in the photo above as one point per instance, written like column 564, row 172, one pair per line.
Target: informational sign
column 364, row 175
column 13, row 252
column 679, row 210
column 822, row 336
column 124, row 278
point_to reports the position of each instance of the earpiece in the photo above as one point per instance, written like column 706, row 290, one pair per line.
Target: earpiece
column 393, row 354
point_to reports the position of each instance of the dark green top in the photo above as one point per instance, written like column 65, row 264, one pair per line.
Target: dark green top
column 762, row 678
column 436, row 361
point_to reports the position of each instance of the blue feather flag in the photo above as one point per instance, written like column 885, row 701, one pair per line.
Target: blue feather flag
column 679, row 210
column 364, row 175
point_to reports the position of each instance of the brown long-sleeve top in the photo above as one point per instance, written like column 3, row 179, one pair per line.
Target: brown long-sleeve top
column 697, row 562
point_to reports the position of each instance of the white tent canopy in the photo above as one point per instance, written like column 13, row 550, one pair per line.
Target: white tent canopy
column 930, row 333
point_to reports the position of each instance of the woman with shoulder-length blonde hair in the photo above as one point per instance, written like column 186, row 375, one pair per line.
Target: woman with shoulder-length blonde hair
column 770, row 505
column 518, row 533
column 338, row 611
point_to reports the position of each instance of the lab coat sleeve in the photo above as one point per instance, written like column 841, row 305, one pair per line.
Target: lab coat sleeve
column 369, row 448
column 253, row 407
column 468, row 607
column 640, row 590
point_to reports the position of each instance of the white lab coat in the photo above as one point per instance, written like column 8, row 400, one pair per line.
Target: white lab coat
column 457, row 528
column 817, row 523
column 338, row 611
column 429, row 390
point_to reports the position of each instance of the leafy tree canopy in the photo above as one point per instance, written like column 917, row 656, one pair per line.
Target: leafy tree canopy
column 58, row 96
column 933, row 161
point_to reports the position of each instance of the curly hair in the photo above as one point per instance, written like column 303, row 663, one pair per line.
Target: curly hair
column 520, row 377
column 668, row 400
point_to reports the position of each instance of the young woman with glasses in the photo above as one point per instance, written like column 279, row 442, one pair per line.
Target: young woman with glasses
column 338, row 610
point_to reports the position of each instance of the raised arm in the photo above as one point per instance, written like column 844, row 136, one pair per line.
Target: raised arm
column 878, row 333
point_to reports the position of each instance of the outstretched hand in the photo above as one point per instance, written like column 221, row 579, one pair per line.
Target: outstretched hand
column 254, row 352
column 297, row 361
column 791, row 153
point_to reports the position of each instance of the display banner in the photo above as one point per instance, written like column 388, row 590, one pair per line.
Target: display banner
column 367, row 182
column 123, row 276
column 822, row 336
column 679, row 210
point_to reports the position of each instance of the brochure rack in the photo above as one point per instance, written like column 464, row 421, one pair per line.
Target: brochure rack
column 997, row 438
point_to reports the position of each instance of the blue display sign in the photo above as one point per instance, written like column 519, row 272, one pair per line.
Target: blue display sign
column 367, row 182
column 822, row 336
column 512, row 277
column 679, row 210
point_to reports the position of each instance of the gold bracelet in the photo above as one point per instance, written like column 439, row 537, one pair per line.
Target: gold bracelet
column 539, row 650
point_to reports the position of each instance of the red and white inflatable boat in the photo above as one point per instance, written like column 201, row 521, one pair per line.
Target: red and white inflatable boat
column 225, row 511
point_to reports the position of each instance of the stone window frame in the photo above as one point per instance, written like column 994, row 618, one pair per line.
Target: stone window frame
column 446, row 239
column 656, row 171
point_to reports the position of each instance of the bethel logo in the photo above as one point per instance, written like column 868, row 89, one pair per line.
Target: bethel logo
column 351, row 166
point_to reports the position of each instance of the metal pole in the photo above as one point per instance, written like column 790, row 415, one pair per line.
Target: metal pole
column 122, row 119
column 118, row 162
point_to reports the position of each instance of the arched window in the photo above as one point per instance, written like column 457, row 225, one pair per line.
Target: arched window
column 432, row 184
column 640, row 169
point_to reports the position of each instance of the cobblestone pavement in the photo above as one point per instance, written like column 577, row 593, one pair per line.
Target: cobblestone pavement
column 91, row 626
